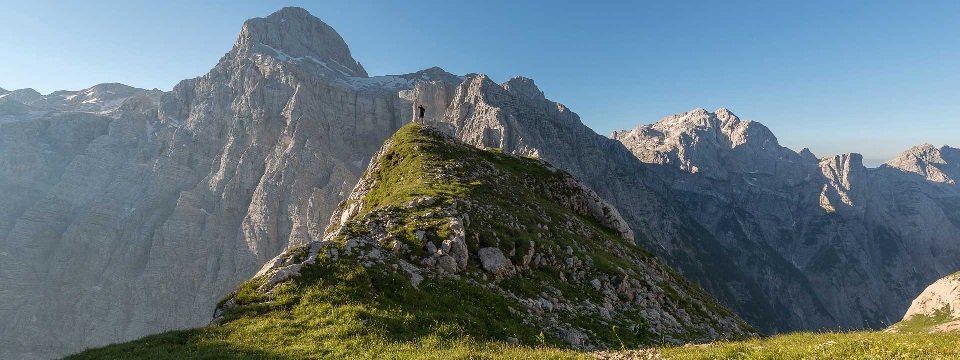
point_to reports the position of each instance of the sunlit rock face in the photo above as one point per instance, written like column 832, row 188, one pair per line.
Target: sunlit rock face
column 863, row 241
column 128, row 212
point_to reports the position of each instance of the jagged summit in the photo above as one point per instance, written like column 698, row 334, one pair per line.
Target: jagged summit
column 531, row 104
column 932, row 163
column 701, row 141
column 524, row 87
column 434, row 72
column 293, row 33
column 923, row 152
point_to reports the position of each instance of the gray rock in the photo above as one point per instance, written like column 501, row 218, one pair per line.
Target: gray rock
column 575, row 338
column 447, row 263
column 596, row 284
column 528, row 256
column 494, row 262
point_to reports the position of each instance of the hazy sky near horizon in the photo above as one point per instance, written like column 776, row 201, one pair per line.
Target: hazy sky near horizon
column 874, row 77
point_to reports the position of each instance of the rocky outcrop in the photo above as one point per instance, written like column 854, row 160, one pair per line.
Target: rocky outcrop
column 494, row 262
column 936, row 309
column 560, row 286
column 942, row 295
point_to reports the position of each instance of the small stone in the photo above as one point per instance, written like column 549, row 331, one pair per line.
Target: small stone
column 605, row 314
column 429, row 261
column 596, row 284
column 575, row 338
column 447, row 263
column 528, row 255
column 350, row 245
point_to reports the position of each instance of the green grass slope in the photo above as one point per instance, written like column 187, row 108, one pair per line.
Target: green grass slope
column 447, row 251
column 846, row 346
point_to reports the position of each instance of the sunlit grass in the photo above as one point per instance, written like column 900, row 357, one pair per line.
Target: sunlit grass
column 848, row 346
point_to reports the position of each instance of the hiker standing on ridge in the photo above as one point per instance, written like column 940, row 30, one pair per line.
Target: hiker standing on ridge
column 421, row 111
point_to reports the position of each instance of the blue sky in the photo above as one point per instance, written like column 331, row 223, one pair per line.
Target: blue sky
column 874, row 77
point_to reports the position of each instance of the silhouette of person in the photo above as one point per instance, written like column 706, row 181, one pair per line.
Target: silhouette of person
column 422, row 111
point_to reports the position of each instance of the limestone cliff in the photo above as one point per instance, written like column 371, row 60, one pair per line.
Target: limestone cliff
column 128, row 212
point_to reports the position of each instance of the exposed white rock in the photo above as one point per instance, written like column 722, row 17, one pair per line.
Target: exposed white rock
column 934, row 164
column 942, row 295
column 456, row 246
column 165, row 201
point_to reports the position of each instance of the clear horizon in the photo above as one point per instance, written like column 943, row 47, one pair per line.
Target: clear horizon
column 874, row 78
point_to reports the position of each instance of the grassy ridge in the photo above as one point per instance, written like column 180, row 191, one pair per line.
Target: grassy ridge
column 261, row 342
column 350, row 311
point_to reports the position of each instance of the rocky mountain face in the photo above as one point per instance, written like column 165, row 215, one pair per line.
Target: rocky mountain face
column 529, row 255
column 128, row 212
column 863, row 241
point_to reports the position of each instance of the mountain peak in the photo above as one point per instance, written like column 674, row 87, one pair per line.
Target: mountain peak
column 293, row 32
column 920, row 154
column 26, row 96
column 724, row 114
column 934, row 164
column 524, row 87
column 291, row 11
